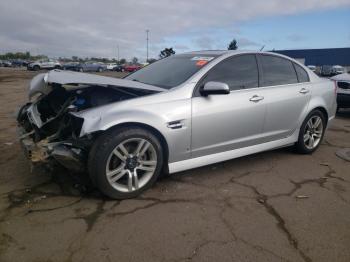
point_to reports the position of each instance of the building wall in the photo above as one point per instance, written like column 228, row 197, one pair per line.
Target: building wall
column 319, row 57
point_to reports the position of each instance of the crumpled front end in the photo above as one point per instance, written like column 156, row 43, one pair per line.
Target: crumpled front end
column 44, row 146
column 50, row 126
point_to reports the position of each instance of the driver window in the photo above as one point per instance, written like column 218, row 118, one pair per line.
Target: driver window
column 238, row 72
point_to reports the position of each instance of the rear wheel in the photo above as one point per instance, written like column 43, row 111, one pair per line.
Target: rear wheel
column 311, row 132
column 36, row 68
column 125, row 162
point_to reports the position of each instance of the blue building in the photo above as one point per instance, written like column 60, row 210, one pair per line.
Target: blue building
column 319, row 57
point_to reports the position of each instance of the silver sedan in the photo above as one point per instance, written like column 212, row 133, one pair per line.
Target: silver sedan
column 181, row 112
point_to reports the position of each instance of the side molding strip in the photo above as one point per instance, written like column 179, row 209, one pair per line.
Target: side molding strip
column 223, row 156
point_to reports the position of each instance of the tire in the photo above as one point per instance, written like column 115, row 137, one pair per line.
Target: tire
column 81, row 70
column 310, row 135
column 36, row 68
column 99, row 70
column 102, row 157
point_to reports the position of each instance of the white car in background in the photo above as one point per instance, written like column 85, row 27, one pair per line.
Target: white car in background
column 44, row 64
column 312, row 68
column 337, row 69
column 111, row 66
column 343, row 90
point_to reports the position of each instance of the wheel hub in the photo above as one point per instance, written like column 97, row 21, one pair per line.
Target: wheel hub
column 131, row 163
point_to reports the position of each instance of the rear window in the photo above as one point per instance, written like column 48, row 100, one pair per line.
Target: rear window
column 277, row 71
column 172, row 71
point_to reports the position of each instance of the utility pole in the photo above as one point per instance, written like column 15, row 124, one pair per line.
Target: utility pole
column 118, row 53
column 147, row 31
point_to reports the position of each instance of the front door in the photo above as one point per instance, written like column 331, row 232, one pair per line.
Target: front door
column 226, row 122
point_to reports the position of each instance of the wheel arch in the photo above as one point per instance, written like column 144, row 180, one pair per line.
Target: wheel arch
column 323, row 110
column 154, row 131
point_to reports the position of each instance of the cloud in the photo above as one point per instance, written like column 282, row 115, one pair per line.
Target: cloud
column 95, row 28
column 296, row 37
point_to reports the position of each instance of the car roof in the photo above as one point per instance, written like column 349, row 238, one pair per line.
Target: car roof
column 229, row 52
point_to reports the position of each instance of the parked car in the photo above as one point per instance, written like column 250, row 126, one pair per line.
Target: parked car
column 111, row 66
column 17, row 63
column 92, row 67
column 72, row 66
column 181, row 112
column 326, row 70
column 312, row 68
column 6, row 63
column 343, row 91
column 119, row 68
column 337, row 69
column 131, row 68
column 44, row 64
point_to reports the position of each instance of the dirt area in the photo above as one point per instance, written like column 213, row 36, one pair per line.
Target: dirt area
column 273, row 206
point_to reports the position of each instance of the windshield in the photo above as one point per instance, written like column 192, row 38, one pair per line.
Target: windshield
column 172, row 71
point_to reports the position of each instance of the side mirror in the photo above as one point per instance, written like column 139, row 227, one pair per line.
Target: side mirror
column 215, row 88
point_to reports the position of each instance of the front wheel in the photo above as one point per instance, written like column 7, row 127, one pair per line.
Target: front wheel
column 311, row 132
column 125, row 162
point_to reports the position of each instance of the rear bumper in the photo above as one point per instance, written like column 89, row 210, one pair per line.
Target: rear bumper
column 343, row 100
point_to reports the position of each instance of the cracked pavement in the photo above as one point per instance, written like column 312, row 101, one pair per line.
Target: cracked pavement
column 272, row 206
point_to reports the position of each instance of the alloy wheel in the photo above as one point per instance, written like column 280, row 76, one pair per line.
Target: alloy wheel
column 313, row 132
column 131, row 164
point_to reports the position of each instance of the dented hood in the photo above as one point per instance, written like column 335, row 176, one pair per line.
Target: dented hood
column 40, row 83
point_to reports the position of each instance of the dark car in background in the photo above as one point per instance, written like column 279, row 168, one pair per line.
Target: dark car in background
column 92, row 67
column 326, row 70
column 18, row 63
column 72, row 66
column 118, row 68
column 343, row 90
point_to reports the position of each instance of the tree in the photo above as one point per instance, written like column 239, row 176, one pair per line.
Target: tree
column 166, row 52
column 233, row 45
column 122, row 61
column 134, row 60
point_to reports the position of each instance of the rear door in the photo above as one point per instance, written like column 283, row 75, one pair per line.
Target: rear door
column 286, row 88
column 226, row 122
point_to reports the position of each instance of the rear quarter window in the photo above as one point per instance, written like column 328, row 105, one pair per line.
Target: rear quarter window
column 277, row 71
column 301, row 73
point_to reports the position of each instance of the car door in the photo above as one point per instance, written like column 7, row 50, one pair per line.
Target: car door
column 225, row 122
column 286, row 88
column 45, row 63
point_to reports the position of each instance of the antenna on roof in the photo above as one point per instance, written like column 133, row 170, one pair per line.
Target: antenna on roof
column 262, row 48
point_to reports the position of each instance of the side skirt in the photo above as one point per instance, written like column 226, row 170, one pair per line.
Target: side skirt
column 227, row 155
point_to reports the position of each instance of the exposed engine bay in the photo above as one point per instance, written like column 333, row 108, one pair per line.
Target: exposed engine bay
column 48, row 128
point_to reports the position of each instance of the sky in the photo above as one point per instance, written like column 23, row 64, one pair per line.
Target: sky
column 89, row 28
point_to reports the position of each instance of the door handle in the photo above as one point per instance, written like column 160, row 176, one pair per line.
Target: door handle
column 256, row 98
column 303, row 91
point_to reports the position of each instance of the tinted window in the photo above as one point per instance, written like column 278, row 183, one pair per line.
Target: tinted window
column 301, row 73
column 277, row 71
column 238, row 72
column 172, row 71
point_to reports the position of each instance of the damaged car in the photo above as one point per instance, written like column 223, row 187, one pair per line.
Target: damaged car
column 181, row 112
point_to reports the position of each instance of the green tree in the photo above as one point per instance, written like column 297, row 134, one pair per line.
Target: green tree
column 233, row 45
column 122, row 61
column 166, row 52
